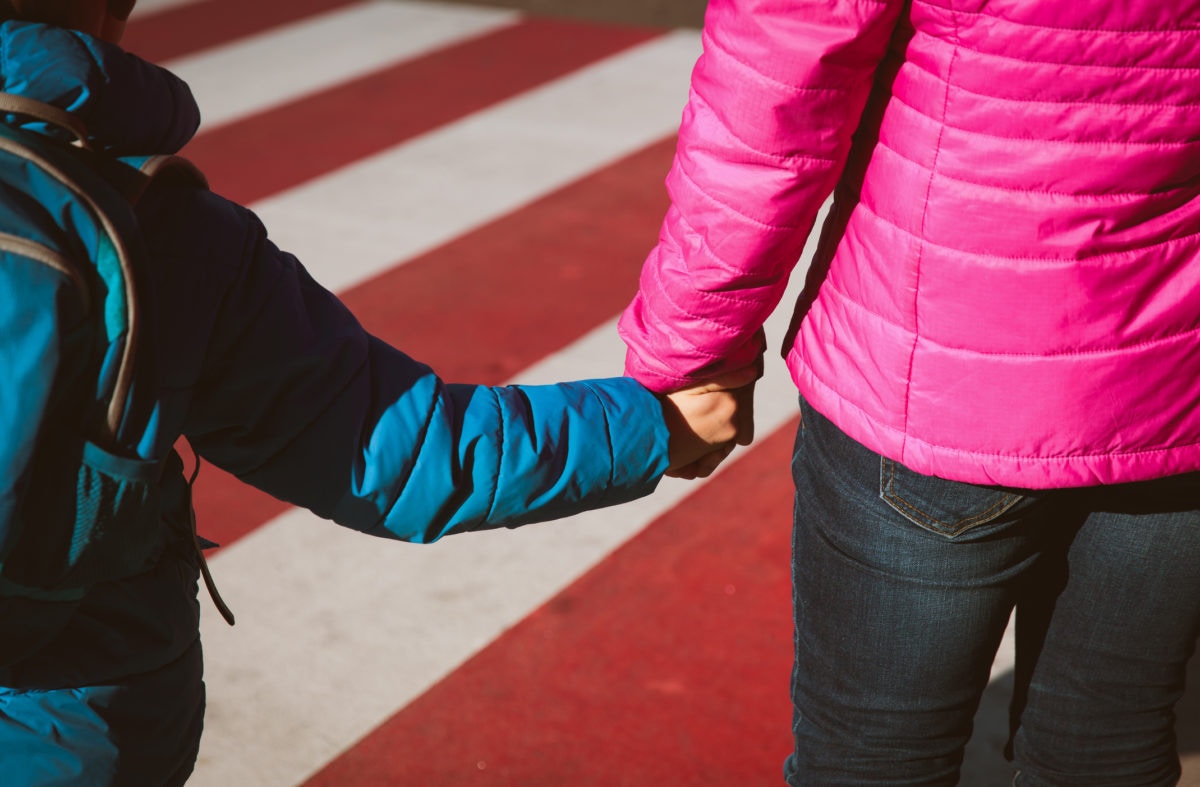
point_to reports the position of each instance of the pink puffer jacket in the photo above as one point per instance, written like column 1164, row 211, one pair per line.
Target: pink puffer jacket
column 1008, row 287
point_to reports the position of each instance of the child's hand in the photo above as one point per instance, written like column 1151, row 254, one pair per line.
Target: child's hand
column 706, row 421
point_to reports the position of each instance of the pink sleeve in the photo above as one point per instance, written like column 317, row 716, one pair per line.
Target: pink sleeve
column 774, row 100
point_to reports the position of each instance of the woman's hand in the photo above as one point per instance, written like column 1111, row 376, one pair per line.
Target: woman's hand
column 707, row 420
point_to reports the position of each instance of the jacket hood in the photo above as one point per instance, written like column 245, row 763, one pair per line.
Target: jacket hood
column 129, row 106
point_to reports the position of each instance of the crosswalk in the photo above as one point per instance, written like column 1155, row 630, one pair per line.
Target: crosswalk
column 481, row 187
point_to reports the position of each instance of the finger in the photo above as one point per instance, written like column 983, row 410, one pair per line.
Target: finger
column 745, row 415
column 704, row 466
column 707, row 465
column 687, row 473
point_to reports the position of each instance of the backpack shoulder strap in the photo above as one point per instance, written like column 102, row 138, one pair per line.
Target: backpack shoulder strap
column 115, row 267
column 12, row 104
column 92, row 184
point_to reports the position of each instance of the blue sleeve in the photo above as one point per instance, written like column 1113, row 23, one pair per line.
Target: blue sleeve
column 473, row 457
column 294, row 397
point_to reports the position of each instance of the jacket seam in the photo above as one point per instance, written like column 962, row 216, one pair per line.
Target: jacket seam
column 916, row 296
column 1126, row 31
column 500, row 448
column 1144, row 344
column 724, row 266
column 778, row 157
column 722, row 327
column 958, row 45
column 1113, row 196
column 1115, row 349
column 401, row 482
column 905, row 437
column 608, row 436
column 656, row 373
column 1075, row 143
column 709, row 40
column 760, row 224
column 647, row 348
column 1054, row 262
column 1064, row 103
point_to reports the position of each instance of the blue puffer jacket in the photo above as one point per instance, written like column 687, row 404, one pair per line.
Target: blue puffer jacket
column 270, row 377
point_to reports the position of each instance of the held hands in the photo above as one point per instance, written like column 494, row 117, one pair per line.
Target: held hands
column 707, row 420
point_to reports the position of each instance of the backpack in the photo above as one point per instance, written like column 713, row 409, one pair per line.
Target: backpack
column 78, row 504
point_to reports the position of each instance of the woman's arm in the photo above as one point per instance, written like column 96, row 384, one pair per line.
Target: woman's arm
column 774, row 100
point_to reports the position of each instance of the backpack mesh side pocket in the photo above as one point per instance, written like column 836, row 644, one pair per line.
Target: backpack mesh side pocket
column 116, row 517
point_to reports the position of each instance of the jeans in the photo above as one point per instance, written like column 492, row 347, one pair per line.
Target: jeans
column 903, row 587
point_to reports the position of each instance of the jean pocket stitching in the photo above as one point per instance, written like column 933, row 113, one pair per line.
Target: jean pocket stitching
column 925, row 519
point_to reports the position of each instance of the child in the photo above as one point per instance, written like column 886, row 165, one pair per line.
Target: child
column 270, row 377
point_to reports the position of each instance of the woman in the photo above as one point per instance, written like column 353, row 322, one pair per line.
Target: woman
column 996, row 353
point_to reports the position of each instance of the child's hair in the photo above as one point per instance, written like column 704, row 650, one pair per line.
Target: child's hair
column 54, row 11
column 39, row 11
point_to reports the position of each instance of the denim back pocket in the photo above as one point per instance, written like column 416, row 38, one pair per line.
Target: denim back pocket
column 949, row 508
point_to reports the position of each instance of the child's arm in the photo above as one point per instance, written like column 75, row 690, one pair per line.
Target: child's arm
column 292, row 395
column 448, row 458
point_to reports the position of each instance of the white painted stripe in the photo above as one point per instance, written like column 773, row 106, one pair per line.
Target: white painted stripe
column 352, row 223
column 265, row 71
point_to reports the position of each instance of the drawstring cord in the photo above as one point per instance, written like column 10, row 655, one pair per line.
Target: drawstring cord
column 213, row 593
